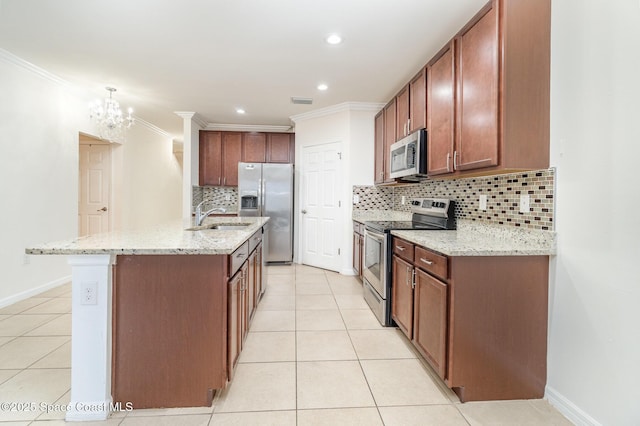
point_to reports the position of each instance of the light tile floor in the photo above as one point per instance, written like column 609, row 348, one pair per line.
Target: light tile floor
column 315, row 355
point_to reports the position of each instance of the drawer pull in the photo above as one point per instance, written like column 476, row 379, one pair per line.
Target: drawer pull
column 428, row 262
column 400, row 248
column 240, row 255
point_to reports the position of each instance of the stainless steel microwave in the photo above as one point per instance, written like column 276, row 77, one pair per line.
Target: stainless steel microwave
column 408, row 157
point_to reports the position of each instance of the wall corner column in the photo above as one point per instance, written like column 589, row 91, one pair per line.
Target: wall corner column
column 193, row 123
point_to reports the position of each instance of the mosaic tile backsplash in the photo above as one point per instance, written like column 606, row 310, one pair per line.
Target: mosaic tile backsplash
column 503, row 197
column 216, row 196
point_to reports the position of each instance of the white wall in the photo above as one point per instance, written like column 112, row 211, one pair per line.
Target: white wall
column 40, row 121
column 594, row 330
column 351, row 124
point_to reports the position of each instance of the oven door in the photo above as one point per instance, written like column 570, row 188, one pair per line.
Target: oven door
column 375, row 261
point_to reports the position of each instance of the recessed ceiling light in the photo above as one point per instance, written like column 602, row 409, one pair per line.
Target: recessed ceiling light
column 334, row 39
column 240, row 111
column 322, row 87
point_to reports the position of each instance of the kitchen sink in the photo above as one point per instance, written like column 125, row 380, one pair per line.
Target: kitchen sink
column 220, row 227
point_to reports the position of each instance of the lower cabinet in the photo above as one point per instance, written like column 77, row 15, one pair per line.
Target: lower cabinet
column 479, row 321
column 358, row 248
column 244, row 290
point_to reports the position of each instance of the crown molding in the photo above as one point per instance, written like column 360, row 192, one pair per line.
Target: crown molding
column 152, row 127
column 194, row 116
column 10, row 58
column 248, row 128
column 345, row 106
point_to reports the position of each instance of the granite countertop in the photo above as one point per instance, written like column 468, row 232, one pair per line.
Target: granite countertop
column 170, row 238
column 478, row 239
column 366, row 215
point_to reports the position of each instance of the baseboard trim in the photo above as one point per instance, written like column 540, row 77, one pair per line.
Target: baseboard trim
column 34, row 291
column 569, row 409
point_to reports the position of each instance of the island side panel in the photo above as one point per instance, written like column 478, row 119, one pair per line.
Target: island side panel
column 498, row 327
column 169, row 330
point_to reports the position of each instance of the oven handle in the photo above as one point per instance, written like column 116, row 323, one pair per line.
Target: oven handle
column 375, row 235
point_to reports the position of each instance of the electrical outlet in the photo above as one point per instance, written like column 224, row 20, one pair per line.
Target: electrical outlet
column 89, row 293
column 356, row 198
column 404, row 200
column 483, row 202
column 227, row 197
column 524, row 203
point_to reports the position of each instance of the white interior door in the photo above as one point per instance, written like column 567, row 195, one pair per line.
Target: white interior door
column 94, row 189
column 320, row 206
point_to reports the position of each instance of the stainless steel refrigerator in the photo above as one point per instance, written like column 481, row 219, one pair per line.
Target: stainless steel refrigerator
column 266, row 189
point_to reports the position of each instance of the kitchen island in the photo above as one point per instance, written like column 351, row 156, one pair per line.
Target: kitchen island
column 150, row 316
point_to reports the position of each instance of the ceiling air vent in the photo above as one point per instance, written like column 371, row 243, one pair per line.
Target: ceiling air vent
column 301, row 101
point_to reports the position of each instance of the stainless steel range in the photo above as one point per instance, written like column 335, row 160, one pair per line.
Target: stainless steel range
column 428, row 214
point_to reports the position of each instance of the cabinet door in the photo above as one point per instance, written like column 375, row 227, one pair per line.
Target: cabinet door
column 244, row 303
column 389, row 136
column 254, row 147
column 477, row 97
column 379, row 148
column 402, row 295
column 430, row 320
column 251, row 284
column 357, row 255
column 231, row 156
column 210, row 158
column 280, row 148
column 418, row 102
column 402, row 113
column 440, row 112
column 233, row 320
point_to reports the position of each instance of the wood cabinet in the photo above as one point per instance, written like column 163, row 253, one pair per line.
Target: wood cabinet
column 402, row 113
column 389, row 137
column 210, row 158
column 501, row 64
column 418, row 102
column 234, row 321
column 441, row 111
column 380, row 155
column 430, row 320
column 479, row 321
column 169, row 329
column 358, row 247
column 254, row 147
column 280, row 148
column 220, row 153
column 402, row 295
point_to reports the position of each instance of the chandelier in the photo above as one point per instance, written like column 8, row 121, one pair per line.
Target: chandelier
column 109, row 119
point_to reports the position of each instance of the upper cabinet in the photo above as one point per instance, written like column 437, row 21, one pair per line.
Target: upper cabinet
column 499, row 63
column 441, row 87
column 402, row 113
column 379, row 150
column 417, row 102
column 220, row 153
column 280, row 148
column 254, row 147
column 389, row 136
column 484, row 98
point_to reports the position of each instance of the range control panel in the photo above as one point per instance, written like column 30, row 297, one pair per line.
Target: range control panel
column 440, row 207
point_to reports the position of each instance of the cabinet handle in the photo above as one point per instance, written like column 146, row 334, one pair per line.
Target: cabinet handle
column 240, row 255
column 413, row 279
column 448, row 158
column 224, row 182
column 400, row 248
column 455, row 160
column 408, row 125
column 219, row 181
column 428, row 262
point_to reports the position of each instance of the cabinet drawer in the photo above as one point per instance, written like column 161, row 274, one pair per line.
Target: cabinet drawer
column 358, row 228
column 437, row 264
column 255, row 239
column 238, row 257
column 403, row 248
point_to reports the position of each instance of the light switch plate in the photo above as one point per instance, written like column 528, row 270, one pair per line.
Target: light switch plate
column 483, row 202
column 524, row 203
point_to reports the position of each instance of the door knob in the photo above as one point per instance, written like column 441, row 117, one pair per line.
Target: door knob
column 104, row 209
column 304, row 212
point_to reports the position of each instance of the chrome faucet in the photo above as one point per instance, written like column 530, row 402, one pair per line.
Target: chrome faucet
column 201, row 216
